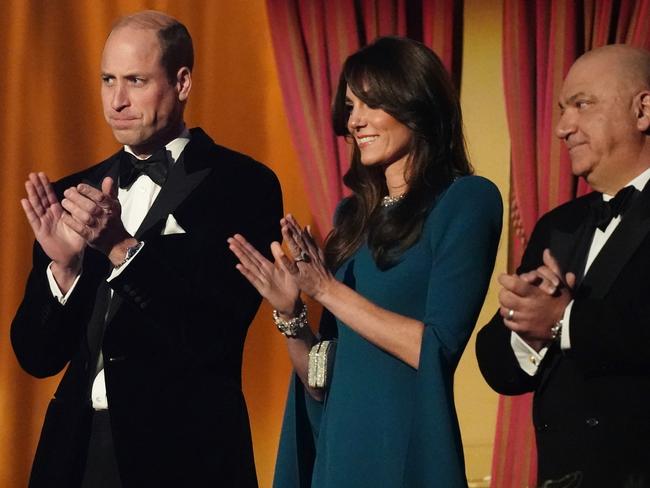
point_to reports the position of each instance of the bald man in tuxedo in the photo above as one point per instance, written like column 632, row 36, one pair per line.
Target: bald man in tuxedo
column 574, row 321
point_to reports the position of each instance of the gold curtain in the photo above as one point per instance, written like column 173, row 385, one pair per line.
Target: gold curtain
column 51, row 120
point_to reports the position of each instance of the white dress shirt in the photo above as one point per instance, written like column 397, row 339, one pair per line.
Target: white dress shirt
column 528, row 358
column 135, row 202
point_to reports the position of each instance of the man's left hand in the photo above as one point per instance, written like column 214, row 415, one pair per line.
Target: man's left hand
column 531, row 311
column 96, row 215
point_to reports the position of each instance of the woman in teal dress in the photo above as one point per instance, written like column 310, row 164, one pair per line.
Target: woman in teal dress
column 402, row 279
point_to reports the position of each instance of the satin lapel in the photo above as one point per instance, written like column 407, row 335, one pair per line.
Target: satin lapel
column 618, row 249
column 570, row 243
column 95, row 178
column 96, row 325
column 184, row 177
column 179, row 185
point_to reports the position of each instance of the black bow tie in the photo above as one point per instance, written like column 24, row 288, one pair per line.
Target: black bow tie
column 156, row 167
column 606, row 211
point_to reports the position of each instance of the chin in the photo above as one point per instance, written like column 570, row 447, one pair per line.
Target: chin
column 127, row 137
column 369, row 161
column 581, row 168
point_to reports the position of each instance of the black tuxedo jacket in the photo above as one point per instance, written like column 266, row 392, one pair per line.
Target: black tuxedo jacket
column 173, row 338
column 591, row 405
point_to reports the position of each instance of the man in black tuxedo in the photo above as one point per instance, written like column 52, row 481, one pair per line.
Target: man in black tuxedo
column 574, row 321
column 134, row 289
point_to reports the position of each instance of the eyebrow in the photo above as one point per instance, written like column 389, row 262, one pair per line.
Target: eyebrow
column 573, row 98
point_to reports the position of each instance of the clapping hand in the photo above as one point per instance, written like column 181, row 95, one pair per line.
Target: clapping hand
column 273, row 281
column 95, row 215
column 532, row 303
column 549, row 277
column 47, row 219
column 308, row 269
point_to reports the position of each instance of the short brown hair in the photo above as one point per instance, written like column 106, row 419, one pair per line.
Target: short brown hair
column 175, row 40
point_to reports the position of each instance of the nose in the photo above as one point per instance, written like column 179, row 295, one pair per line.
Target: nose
column 357, row 119
column 120, row 98
column 566, row 125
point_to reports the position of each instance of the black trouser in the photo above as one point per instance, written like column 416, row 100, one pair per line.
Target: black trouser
column 101, row 466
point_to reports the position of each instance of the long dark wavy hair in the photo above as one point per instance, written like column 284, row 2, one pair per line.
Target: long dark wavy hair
column 408, row 81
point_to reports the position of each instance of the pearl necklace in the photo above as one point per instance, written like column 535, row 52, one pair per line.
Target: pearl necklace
column 389, row 201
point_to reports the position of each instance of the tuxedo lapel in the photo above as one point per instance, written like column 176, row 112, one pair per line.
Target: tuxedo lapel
column 110, row 168
column 185, row 175
column 95, row 327
column 619, row 248
column 569, row 243
column 571, row 248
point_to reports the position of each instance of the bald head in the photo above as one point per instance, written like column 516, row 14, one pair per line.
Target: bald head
column 175, row 41
column 629, row 65
column 605, row 116
column 147, row 19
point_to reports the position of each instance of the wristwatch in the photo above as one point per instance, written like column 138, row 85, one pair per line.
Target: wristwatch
column 130, row 252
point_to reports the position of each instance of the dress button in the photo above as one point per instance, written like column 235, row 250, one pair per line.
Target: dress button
column 592, row 422
column 533, row 360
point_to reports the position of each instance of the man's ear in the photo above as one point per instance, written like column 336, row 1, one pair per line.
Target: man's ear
column 183, row 83
column 643, row 111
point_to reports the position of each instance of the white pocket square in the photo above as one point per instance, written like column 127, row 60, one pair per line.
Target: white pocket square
column 172, row 227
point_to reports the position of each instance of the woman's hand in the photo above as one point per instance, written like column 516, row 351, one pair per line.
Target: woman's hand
column 272, row 280
column 308, row 268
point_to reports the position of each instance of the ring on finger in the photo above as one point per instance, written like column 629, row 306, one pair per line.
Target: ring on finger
column 303, row 258
column 511, row 314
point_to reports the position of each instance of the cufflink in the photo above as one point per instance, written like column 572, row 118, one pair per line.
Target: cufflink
column 556, row 330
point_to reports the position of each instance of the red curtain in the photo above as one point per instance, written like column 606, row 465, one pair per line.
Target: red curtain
column 311, row 39
column 540, row 42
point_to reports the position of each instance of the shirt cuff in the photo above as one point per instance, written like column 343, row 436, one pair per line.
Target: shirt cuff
column 528, row 359
column 565, row 338
column 54, row 286
column 98, row 392
column 116, row 271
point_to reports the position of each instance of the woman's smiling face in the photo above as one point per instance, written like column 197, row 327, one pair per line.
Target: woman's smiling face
column 380, row 137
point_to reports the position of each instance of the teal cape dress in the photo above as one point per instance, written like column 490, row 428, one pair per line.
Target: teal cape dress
column 383, row 423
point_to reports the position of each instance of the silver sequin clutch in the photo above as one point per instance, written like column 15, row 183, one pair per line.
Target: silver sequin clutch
column 321, row 361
